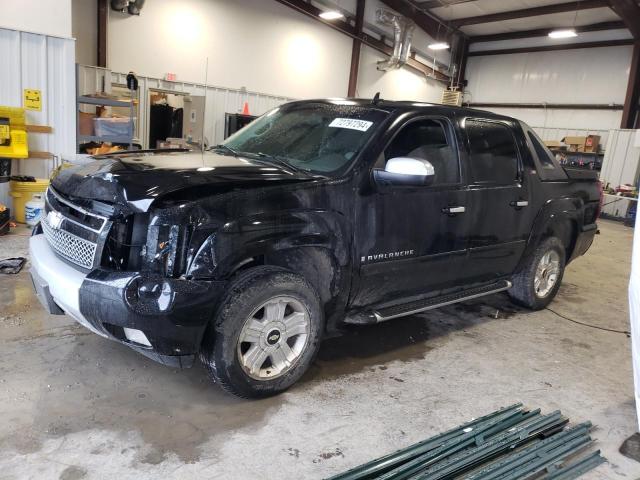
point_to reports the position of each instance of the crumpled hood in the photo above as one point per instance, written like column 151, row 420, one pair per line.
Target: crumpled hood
column 138, row 179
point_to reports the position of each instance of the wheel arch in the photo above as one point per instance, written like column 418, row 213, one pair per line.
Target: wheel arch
column 558, row 218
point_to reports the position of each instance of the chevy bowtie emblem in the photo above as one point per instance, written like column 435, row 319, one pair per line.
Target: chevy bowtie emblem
column 54, row 219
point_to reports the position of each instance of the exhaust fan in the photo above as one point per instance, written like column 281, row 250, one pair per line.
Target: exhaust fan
column 133, row 7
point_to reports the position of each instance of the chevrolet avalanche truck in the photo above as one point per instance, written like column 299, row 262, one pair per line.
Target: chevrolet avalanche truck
column 318, row 215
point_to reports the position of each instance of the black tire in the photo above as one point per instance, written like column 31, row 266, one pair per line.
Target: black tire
column 523, row 291
column 248, row 291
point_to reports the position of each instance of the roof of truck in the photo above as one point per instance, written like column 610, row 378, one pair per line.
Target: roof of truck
column 405, row 105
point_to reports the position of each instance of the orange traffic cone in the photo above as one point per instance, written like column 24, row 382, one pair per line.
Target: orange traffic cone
column 245, row 110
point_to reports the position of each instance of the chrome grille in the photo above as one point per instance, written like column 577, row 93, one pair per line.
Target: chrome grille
column 73, row 232
column 73, row 248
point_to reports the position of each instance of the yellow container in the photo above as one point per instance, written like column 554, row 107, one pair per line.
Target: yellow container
column 22, row 192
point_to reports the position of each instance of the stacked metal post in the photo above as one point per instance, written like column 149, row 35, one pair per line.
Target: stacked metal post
column 512, row 443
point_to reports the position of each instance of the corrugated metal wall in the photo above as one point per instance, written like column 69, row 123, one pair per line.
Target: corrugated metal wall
column 46, row 64
column 621, row 159
column 219, row 100
column 581, row 76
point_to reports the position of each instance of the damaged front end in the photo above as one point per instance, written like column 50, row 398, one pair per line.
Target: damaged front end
column 134, row 287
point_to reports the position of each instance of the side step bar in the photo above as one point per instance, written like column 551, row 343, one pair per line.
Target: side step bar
column 404, row 309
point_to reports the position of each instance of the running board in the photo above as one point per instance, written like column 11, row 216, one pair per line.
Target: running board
column 402, row 310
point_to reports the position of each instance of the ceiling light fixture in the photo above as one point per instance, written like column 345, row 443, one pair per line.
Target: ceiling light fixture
column 438, row 46
column 331, row 15
column 564, row 33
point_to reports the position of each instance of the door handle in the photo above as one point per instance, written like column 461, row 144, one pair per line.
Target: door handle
column 453, row 210
column 519, row 203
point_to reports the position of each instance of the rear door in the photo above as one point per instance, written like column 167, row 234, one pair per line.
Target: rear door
column 499, row 199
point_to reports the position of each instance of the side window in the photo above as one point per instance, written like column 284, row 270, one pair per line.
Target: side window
column 428, row 140
column 493, row 153
column 544, row 155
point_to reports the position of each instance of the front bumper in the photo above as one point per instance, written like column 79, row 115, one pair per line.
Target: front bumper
column 172, row 314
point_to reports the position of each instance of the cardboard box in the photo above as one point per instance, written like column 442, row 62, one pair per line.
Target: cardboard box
column 85, row 123
column 574, row 144
column 553, row 144
column 582, row 144
column 591, row 143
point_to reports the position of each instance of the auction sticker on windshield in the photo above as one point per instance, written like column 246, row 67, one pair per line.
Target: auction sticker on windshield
column 351, row 123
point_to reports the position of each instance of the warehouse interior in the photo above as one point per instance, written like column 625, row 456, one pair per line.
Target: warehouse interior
column 85, row 78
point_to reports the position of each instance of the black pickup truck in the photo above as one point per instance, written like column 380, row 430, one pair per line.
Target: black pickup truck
column 318, row 214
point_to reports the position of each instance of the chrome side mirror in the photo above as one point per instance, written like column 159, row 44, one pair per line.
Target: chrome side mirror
column 405, row 171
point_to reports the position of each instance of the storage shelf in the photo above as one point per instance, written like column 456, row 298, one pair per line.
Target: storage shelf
column 111, row 139
column 103, row 102
column 581, row 154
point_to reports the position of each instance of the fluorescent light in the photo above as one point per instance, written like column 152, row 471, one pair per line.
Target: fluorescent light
column 439, row 46
column 565, row 33
column 331, row 15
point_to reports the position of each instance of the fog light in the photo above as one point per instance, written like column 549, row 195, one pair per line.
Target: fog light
column 136, row 336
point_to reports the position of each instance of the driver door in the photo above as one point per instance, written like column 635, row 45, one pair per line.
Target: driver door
column 412, row 240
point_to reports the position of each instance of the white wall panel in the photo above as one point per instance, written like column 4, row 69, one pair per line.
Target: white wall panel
column 261, row 45
column 46, row 17
column 46, row 64
column 595, row 75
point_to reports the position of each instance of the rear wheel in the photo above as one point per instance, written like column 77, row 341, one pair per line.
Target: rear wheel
column 266, row 333
column 538, row 282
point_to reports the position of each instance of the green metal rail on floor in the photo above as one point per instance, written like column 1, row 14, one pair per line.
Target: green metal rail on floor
column 509, row 444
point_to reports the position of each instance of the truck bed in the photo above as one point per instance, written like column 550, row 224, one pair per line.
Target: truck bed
column 581, row 174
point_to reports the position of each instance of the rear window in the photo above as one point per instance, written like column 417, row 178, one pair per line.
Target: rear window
column 493, row 153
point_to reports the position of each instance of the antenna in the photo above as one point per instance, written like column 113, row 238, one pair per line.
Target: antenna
column 204, row 109
column 376, row 99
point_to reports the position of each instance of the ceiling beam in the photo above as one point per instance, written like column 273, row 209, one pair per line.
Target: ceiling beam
column 629, row 11
column 531, row 12
column 552, row 106
column 346, row 28
column 439, row 3
column 102, row 27
column 552, row 48
column 543, row 32
column 631, row 111
column 432, row 26
column 355, row 50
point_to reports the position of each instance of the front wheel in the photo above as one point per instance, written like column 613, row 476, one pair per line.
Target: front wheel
column 267, row 333
column 538, row 282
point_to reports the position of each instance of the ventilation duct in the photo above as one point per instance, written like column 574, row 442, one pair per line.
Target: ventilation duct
column 402, row 36
column 131, row 6
column 135, row 7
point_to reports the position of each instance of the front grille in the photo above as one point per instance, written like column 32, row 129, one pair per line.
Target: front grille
column 73, row 232
column 75, row 249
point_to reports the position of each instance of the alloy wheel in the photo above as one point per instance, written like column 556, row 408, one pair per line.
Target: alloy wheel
column 273, row 338
column 547, row 273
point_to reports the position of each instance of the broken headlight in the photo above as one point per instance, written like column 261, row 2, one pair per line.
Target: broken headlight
column 166, row 249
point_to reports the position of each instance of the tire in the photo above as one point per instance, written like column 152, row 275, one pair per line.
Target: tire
column 278, row 315
column 536, row 296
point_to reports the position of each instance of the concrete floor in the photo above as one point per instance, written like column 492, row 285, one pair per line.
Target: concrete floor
column 74, row 405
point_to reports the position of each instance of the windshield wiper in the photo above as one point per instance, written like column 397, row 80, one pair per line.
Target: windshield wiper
column 282, row 163
column 222, row 146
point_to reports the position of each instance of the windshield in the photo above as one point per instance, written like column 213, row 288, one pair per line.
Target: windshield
column 317, row 137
